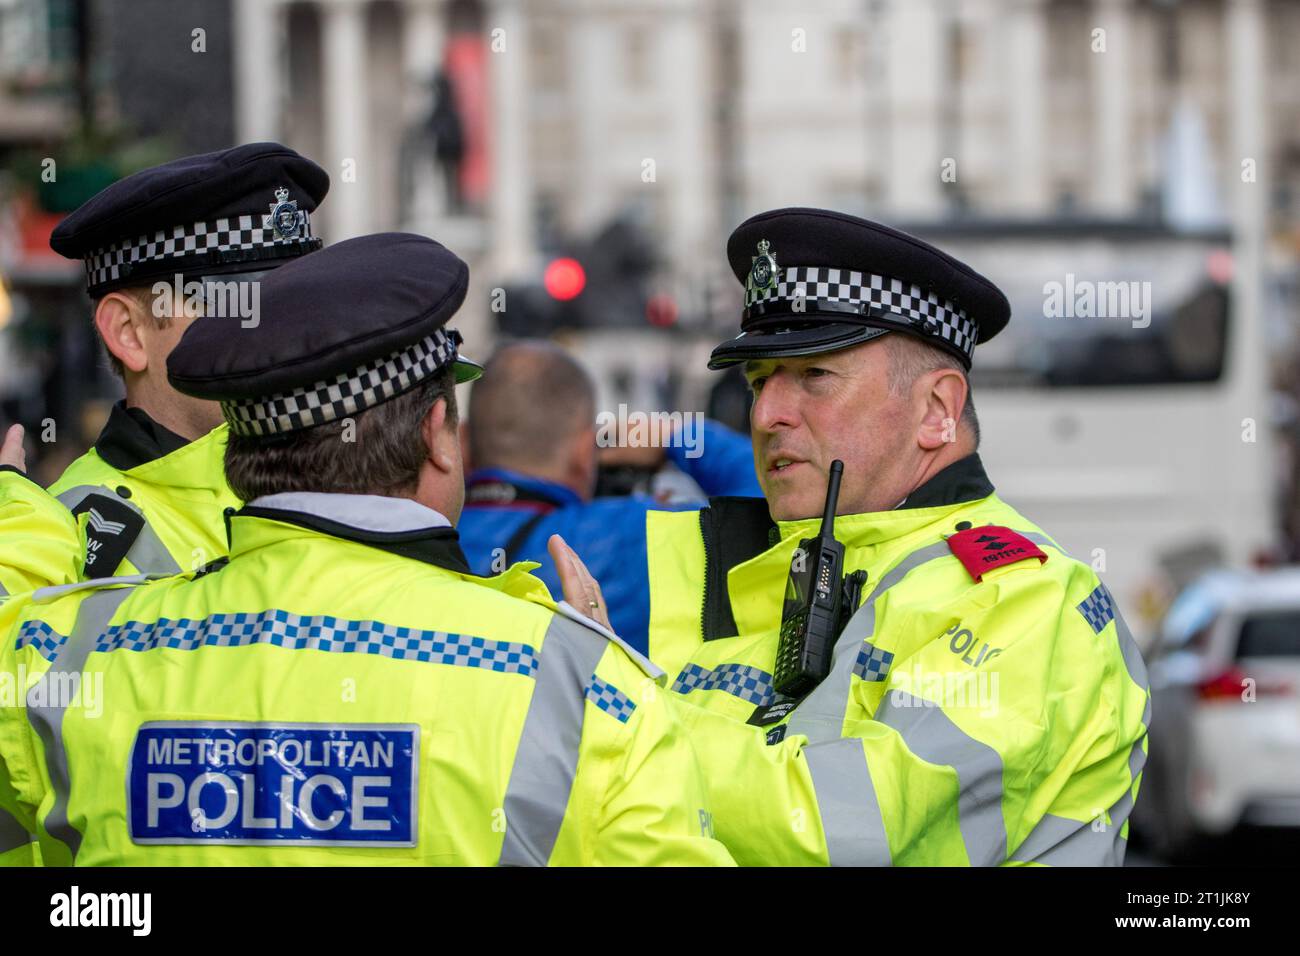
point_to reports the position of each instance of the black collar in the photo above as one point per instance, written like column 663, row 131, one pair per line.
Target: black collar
column 131, row 438
column 963, row 480
column 437, row 546
column 736, row 529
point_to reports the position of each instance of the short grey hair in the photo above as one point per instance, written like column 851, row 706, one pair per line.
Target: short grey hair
column 910, row 358
column 384, row 457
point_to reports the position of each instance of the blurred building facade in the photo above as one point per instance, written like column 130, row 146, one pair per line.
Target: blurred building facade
column 688, row 115
column 915, row 110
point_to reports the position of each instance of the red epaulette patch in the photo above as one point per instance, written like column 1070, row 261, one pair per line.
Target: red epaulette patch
column 981, row 550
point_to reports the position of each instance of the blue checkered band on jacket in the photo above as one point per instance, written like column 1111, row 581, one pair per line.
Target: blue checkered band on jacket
column 1098, row 608
column 230, row 236
column 866, row 291
column 740, row 680
column 347, row 393
column 321, row 633
column 41, row 636
column 873, row 663
column 610, row 699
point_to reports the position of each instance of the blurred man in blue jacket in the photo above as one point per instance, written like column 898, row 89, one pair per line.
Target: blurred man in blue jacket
column 531, row 444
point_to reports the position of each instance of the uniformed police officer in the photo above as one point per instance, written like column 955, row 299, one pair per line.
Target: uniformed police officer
column 160, row 247
column 986, row 703
column 343, row 690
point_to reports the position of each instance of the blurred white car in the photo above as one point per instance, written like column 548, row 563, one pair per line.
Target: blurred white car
column 1224, row 748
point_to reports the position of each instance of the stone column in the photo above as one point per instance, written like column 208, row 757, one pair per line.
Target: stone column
column 915, row 80
column 343, row 44
column 1111, row 80
column 1026, row 167
column 259, row 71
column 512, row 194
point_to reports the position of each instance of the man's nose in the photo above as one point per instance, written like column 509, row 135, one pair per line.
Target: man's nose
column 775, row 405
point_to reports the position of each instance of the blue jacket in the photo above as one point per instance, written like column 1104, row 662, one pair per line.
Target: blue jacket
column 607, row 533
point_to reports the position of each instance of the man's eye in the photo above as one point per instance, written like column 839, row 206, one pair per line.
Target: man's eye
column 756, row 384
column 816, row 372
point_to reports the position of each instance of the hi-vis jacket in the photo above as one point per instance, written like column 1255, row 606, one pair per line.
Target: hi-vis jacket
column 985, row 709
column 342, row 692
column 148, row 502
column 39, row 542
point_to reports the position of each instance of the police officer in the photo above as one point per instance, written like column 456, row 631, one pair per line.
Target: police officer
column 343, row 690
column 986, row 703
column 160, row 247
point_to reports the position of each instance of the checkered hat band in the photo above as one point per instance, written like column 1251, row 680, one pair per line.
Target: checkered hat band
column 346, row 394
column 224, row 237
column 841, row 290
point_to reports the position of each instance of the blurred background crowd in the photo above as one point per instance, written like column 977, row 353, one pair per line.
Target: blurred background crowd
column 1128, row 171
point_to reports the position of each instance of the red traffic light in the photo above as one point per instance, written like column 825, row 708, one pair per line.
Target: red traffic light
column 565, row 279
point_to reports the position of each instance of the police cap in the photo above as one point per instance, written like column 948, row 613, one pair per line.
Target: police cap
column 818, row 281
column 236, row 210
column 339, row 331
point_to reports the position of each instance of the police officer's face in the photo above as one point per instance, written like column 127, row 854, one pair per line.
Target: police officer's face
column 809, row 411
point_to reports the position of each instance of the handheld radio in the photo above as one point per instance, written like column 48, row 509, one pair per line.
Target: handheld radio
column 818, row 602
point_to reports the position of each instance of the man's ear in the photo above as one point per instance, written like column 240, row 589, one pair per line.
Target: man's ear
column 583, row 463
column 119, row 326
column 944, row 393
column 438, row 438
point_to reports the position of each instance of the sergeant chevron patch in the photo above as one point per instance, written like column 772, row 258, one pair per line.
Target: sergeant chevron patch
column 111, row 528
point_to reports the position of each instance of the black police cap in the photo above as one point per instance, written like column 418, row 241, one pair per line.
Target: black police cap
column 339, row 331
column 236, row 210
column 818, row 281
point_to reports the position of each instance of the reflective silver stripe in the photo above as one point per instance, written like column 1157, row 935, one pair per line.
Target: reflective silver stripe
column 649, row 667
column 1137, row 667
column 1137, row 758
column 1039, row 538
column 47, row 718
column 821, row 715
column 148, row 554
column 1060, row 841
column 846, row 799
column 547, row 759
column 12, row 833
column 931, row 735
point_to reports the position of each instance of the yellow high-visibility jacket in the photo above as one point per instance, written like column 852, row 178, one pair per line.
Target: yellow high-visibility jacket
column 147, row 501
column 971, row 716
column 39, row 542
column 342, row 692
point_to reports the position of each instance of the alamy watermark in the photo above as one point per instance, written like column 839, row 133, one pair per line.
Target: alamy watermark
column 1086, row 299
column 53, row 689
column 133, row 911
column 230, row 298
column 628, row 429
column 967, row 690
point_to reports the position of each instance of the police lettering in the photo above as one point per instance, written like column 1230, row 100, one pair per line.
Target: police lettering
column 971, row 650
column 166, row 791
column 340, row 784
column 287, row 752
